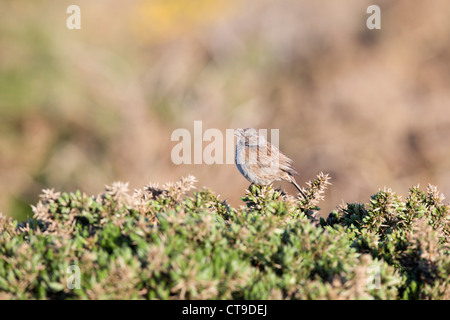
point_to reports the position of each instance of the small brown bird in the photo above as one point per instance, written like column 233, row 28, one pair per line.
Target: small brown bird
column 260, row 162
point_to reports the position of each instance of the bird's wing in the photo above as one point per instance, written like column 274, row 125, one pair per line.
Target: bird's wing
column 269, row 156
column 287, row 165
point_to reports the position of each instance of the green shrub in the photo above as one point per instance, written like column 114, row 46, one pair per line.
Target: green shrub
column 171, row 243
column 412, row 236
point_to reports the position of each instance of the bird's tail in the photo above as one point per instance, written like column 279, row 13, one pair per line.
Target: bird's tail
column 291, row 178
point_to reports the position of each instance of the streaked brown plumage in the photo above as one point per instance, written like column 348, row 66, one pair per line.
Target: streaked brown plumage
column 260, row 162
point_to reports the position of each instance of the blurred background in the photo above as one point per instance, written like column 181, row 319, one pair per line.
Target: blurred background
column 84, row 108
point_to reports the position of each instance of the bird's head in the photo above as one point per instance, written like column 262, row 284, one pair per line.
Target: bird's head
column 249, row 136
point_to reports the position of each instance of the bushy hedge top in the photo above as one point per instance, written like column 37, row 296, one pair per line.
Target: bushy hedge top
column 172, row 243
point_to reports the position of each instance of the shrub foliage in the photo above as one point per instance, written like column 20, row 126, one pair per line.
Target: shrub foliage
column 172, row 242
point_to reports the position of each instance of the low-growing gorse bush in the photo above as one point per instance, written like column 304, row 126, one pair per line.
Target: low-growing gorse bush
column 172, row 243
column 411, row 235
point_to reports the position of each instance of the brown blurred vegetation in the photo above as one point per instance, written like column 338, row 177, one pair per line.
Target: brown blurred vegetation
column 83, row 108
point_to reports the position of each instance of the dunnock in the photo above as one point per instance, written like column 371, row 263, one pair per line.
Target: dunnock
column 260, row 162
